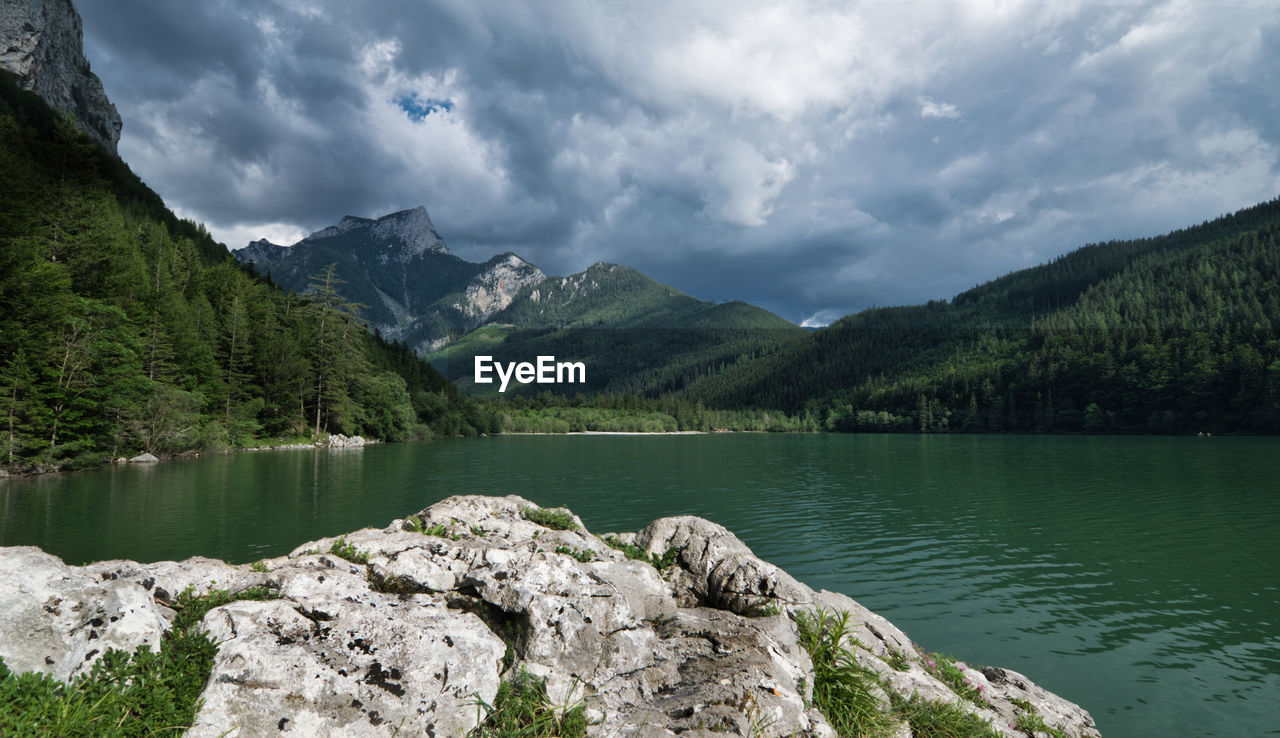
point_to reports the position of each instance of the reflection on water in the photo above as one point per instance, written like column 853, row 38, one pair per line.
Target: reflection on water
column 1136, row 576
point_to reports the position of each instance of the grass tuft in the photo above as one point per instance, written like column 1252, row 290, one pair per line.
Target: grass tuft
column 637, row 553
column 558, row 518
column 844, row 691
column 348, row 551
column 930, row 719
column 520, row 710
column 762, row 608
column 952, row 674
column 141, row 694
column 584, row 555
column 394, row 584
column 192, row 607
column 1030, row 722
column 897, row 660
column 418, row 524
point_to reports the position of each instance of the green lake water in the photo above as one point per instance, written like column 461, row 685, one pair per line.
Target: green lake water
column 1139, row 577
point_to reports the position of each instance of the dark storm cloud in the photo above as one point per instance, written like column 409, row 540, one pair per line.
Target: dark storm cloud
column 162, row 47
column 815, row 159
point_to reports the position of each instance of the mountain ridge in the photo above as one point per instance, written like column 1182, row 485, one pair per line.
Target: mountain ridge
column 418, row 291
column 400, row 269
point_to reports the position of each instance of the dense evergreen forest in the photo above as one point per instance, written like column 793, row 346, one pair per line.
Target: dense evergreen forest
column 124, row 329
column 1175, row 334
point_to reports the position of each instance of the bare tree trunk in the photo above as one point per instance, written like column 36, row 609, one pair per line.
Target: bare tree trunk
column 319, row 387
column 13, row 400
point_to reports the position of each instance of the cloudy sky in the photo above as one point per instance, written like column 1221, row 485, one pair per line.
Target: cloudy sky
column 813, row 158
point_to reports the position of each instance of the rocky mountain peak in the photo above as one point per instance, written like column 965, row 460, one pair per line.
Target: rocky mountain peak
column 260, row 251
column 411, row 230
column 42, row 43
column 347, row 224
column 413, row 227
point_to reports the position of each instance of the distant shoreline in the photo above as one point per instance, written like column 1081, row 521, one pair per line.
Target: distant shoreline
column 605, row 433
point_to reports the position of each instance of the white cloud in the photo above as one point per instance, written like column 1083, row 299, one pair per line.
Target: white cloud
column 748, row 182
column 238, row 236
column 931, row 109
column 754, row 58
column 890, row 151
column 441, row 153
column 821, row 318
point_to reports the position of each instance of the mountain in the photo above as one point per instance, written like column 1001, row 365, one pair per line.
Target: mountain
column 637, row 335
column 398, row 267
column 634, row 335
column 43, row 47
column 1173, row 334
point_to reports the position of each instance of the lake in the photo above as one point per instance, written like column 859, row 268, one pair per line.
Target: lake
column 1139, row 577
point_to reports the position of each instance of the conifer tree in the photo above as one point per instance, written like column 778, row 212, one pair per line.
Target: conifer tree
column 335, row 354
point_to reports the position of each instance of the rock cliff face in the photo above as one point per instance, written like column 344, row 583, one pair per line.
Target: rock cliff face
column 433, row 622
column 398, row 266
column 41, row 41
column 493, row 289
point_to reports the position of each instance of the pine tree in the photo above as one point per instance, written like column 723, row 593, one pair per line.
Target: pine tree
column 335, row 353
column 20, row 407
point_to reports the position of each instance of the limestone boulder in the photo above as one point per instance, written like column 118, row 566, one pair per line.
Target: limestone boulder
column 408, row 629
column 59, row 620
column 356, row 663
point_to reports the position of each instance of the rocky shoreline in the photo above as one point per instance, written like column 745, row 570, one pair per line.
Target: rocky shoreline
column 335, row 441
column 675, row 630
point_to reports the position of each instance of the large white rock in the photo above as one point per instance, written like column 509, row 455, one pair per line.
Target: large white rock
column 410, row 638
column 368, row 664
column 59, row 620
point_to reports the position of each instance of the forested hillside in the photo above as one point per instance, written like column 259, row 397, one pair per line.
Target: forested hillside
column 636, row 336
column 1176, row 334
column 124, row 329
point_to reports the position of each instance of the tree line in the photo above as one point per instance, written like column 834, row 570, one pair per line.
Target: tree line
column 1176, row 334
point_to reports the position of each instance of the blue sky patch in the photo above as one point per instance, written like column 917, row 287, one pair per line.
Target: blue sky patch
column 418, row 108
